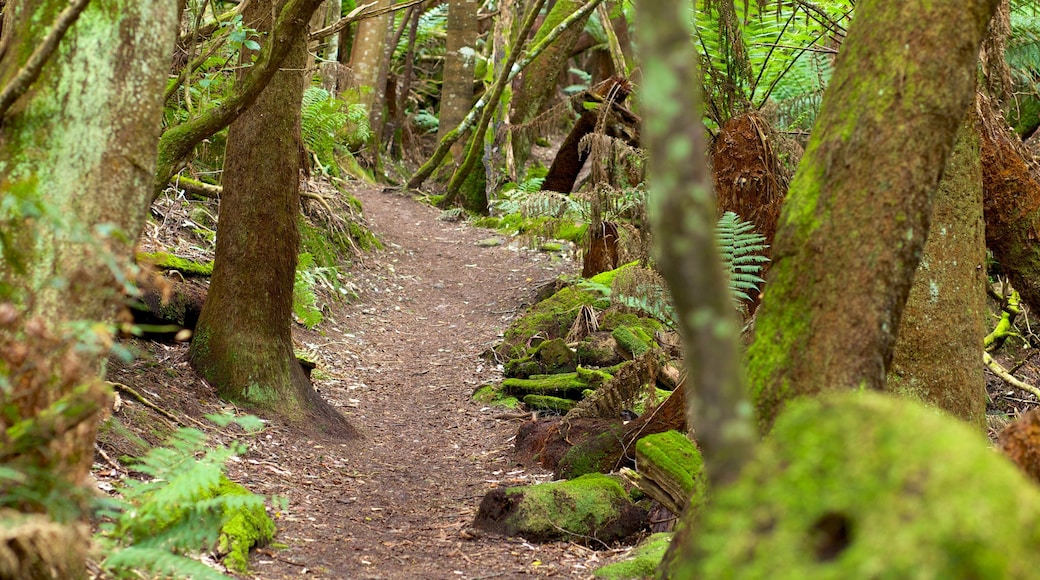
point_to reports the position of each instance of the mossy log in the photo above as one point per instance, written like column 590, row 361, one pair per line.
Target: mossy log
column 568, row 385
column 551, row 404
column 173, row 302
column 669, row 469
column 593, row 507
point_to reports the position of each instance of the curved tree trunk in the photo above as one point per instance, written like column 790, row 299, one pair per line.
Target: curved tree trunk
column 856, row 217
column 243, row 341
column 539, row 80
column 938, row 355
column 80, row 145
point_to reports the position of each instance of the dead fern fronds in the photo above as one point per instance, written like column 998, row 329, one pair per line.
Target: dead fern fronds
column 619, row 392
column 585, row 324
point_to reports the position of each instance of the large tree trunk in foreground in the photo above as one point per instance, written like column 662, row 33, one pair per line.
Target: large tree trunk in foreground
column 937, row 356
column 856, row 217
column 1011, row 203
column 243, row 341
column 80, row 145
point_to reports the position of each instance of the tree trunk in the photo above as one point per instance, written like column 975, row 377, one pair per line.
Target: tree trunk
column 1011, row 203
column 539, row 80
column 78, row 152
column 459, row 62
column 938, row 353
column 367, row 54
column 856, row 217
column 243, row 341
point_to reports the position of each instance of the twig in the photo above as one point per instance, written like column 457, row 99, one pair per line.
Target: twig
column 141, row 399
column 108, row 459
column 1007, row 377
column 31, row 71
column 359, row 14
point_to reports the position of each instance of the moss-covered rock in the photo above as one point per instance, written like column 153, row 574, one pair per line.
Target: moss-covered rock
column 168, row 261
column 550, row 404
column 641, row 562
column 613, row 319
column 861, row 485
column 607, row 278
column 493, row 395
column 550, row 318
column 598, row 349
column 555, row 356
column 590, row 507
column 522, row 368
column 244, row 527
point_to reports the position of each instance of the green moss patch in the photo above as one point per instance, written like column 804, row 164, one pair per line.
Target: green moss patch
column 613, row 319
column 168, row 261
column 593, row 506
column 551, row 318
column 675, row 464
column 560, row 385
column 863, row 485
column 493, row 395
column 245, row 526
column 632, row 340
column 641, row 562
column 550, row 404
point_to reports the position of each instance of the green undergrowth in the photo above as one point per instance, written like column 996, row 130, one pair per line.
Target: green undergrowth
column 184, row 504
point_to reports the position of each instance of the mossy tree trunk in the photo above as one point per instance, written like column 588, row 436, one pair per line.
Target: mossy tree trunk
column 178, row 141
column 937, row 356
column 682, row 207
column 459, row 62
column 243, row 341
column 856, row 216
column 539, row 80
column 77, row 152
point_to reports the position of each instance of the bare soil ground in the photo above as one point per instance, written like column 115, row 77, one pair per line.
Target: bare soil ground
column 401, row 363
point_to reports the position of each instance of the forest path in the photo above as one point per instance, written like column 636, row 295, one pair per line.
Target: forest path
column 398, row 504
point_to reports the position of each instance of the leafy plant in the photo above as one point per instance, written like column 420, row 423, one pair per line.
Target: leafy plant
column 180, row 509
column 305, row 301
column 329, row 124
column 740, row 248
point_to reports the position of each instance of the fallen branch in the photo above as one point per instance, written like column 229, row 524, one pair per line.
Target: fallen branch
column 1007, row 377
column 141, row 399
column 356, row 15
column 197, row 187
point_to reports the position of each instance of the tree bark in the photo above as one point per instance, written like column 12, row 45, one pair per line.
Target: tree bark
column 367, row 56
column 459, row 62
column 178, row 141
column 539, row 80
column 856, row 217
column 243, row 340
column 1011, row 203
column 78, row 152
column 937, row 356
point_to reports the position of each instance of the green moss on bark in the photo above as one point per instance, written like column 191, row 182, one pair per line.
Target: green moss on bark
column 862, row 485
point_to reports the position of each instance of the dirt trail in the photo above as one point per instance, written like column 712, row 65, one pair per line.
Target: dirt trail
column 406, row 358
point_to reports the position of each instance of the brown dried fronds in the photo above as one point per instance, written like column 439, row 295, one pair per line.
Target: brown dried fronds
column 585, row 324
column 619, row 392
column 34, row 546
